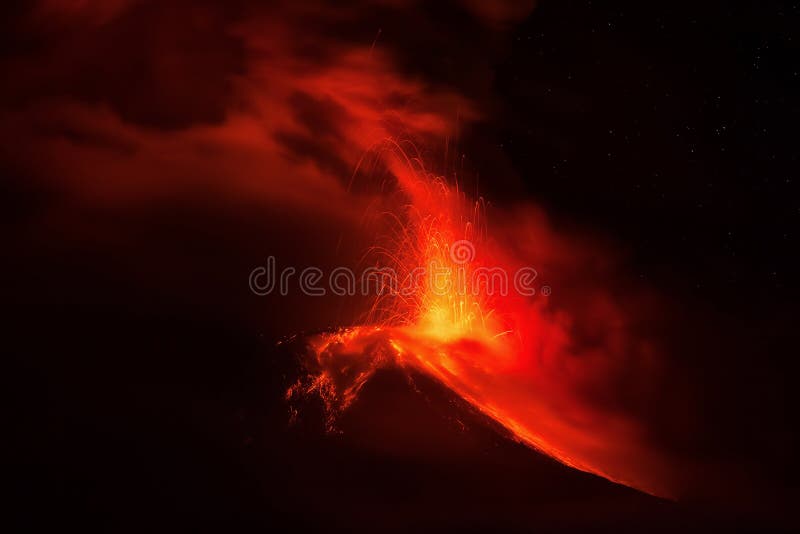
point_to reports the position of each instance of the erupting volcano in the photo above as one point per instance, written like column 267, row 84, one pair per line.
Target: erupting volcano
column 532, row 263
column 444, row 308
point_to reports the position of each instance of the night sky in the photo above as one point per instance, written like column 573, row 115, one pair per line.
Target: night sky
column 670, row 126
column 153, row 153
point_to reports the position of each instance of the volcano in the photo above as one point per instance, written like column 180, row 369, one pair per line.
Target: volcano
column 410, row 454
column 537, row 258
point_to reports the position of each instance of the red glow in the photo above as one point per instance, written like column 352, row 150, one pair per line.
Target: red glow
column 285, row 131
column 513, row 358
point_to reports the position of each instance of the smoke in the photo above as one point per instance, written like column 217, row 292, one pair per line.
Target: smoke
column 138, row 129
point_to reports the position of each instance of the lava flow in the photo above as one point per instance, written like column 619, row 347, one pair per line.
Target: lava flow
column 448, row 312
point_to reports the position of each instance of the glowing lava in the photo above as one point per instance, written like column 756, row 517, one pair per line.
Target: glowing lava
column 510, row 356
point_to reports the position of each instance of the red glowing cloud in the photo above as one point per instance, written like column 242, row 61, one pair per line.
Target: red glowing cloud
column 551, row 368
column 268, row 106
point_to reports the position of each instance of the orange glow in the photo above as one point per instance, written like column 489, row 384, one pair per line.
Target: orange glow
column 513, row 358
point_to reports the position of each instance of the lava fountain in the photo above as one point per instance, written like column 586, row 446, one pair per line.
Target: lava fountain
column 447, row 310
